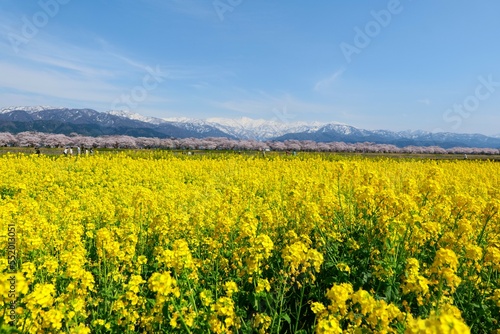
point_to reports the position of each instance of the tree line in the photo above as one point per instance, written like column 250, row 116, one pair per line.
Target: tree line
column 39, row 139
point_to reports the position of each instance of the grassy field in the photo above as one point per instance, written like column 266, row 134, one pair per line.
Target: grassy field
column 59, row 152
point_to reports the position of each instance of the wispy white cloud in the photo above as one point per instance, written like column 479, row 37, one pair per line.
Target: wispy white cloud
column 71, row 65
column 50, row 83
column 425, row 101
column 325, row 83
column 77, row 76
column 50, row 70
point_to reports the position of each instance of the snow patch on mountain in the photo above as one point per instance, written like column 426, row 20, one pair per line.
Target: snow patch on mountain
column 339, row 128
column 29, row 109
column 135, row 117
column 248, row 128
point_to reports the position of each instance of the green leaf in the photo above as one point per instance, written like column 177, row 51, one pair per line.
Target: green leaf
column 388, row 293
column 286, row 317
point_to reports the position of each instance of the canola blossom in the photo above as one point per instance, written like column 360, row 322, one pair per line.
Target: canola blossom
column 151, row 242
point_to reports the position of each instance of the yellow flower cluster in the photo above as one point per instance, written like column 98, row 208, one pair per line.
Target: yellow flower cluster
column 355, row 310
column 448, row 320
column 152, row 242
column 414, row 281
column 300, row 258
column 445, row 266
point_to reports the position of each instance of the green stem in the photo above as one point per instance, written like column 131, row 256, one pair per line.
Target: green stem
column 440, row 293
column 280, row 307
column 300, row 308
column 182, row 318
column 481, row 235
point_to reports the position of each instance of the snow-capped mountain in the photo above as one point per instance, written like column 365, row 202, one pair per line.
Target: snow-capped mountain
column 247, row 128
column 136, row 117
column 28, row 109
column 94, row 123
column 349, row 134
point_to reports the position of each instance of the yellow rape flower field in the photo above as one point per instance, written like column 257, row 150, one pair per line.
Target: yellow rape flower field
column 150, row 242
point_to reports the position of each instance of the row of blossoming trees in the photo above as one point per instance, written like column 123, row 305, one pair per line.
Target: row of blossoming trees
column 38, row 139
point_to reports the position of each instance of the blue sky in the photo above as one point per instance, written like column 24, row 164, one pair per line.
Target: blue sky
column 396, row 65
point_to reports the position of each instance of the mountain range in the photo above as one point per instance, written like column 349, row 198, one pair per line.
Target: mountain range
column 90, row 122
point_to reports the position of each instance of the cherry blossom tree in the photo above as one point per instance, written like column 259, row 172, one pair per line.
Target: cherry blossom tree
column 277, row 146
column 7, row 139
column 28, row 138
column 57, row 140
column 167, row 143
column 292, row 145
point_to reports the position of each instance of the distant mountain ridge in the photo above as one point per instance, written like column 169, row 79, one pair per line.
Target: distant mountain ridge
column 90, row 122
column 349, row 134
column 247, row 128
